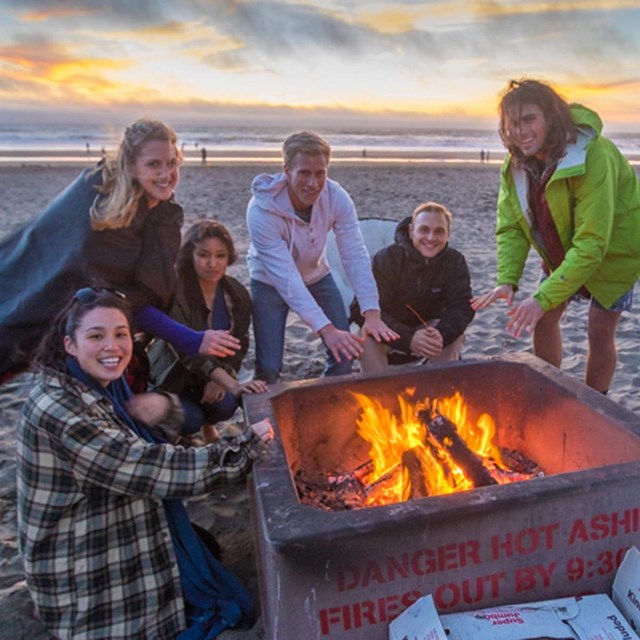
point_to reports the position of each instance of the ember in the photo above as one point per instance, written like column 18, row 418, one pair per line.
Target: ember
column 431, row 449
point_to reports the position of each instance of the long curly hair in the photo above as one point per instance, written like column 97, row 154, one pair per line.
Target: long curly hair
column 196, row 233
column 120, row 189
column 561, row 129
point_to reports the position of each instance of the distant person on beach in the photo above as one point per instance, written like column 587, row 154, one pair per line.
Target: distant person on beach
column 206, row 298
column 425, row 289
column 88, row 147
column 289, row 217
column 567, row 191
column 118, row 225
column 481, row 155
column 203, row 153
column 107, row 546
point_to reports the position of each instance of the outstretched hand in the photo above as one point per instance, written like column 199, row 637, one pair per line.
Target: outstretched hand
column 218, row 343
column 264, row 430
column 375, row 327
column 342, row 344
column 501, row 292
column 252, row 386
column 524, row 317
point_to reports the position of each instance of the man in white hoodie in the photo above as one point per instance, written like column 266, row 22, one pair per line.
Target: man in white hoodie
column 289, row 217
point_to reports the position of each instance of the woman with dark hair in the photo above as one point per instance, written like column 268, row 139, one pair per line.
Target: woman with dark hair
column 206, row 298
column 107, row 546
column 117, row 224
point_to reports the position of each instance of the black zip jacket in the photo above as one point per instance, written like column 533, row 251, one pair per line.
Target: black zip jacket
column 439, row 287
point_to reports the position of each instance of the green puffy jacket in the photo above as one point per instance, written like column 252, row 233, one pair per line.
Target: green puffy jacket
column 594, row 198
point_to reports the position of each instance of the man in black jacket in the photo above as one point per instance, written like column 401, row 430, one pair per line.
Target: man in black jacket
column 425, row 292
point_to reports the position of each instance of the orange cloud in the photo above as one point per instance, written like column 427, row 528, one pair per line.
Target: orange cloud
column 489, row 9
column 65, row 71
column 55, row 12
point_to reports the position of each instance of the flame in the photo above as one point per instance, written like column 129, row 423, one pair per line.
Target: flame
column 397, row 441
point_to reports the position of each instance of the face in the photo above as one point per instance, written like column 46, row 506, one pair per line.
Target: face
column 528, row 129
column 306, row 177
column 157, row 170
column 210, row 259
column 102, row 344
column 429, row 233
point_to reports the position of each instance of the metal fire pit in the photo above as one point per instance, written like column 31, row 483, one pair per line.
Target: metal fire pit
column 347, row 574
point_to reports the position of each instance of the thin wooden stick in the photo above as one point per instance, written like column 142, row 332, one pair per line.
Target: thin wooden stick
column 417, row 315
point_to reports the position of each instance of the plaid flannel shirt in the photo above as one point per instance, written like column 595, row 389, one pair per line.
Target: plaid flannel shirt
column 98, row 555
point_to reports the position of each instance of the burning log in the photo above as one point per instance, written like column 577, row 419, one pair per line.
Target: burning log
column 417, row 484
column 445, row 432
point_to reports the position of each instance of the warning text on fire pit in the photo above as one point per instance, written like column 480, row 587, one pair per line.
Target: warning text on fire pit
column 571, row 556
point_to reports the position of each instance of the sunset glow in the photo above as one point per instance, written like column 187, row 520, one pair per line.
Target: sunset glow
column 441, row 62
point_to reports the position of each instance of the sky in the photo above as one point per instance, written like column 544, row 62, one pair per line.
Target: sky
column 378, row 62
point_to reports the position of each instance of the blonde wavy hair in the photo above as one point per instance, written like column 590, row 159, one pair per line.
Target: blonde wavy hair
column 120, row 189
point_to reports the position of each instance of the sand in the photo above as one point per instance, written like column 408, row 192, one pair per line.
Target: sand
column 380, row 190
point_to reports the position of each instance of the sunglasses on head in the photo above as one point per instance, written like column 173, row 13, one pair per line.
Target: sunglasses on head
column 87, row 295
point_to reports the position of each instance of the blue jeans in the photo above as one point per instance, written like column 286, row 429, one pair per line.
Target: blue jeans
column 270, row 313
column 197, row 413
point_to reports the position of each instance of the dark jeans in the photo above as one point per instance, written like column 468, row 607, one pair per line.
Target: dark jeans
column 197, row 413
column 270, row 313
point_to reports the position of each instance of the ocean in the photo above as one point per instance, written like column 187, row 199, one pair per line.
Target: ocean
column 39, row 141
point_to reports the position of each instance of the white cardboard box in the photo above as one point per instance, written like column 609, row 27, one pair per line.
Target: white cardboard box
column 593, row 617
column 584, row 618
column 626, row 588
column 419, row 622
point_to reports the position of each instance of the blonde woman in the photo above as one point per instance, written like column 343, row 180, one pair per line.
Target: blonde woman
column 117, row 225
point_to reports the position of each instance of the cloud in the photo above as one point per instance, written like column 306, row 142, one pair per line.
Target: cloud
column 281, row 30
column 99, row 12
column 430, row 55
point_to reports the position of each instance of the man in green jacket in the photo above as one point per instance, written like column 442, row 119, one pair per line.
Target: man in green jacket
column 569, row 192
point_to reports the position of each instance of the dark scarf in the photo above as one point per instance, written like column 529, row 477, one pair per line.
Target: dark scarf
column 544, row 228
column 215, row 599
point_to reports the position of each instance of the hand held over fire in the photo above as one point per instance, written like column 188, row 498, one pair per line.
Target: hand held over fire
column 376, row 328
column 524, row 317
column 218, row 343
column 342, row 344
column 501, row 292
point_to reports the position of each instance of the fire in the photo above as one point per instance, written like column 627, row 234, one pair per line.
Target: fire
column 406, row 458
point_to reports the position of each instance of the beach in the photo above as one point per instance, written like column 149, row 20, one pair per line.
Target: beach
column 381, row 188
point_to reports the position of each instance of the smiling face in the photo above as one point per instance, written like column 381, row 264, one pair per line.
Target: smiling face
column 306, row 177
column 429, row 233
column 102, row 344
column 210, row 259
column 528, row 130
column 156, row 168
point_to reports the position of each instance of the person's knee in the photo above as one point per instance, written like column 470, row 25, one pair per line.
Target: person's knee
column 374, row 357
column 602, row 327
column 451, row 352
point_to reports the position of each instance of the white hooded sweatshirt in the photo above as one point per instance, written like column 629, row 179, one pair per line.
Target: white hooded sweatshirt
column 288, row 253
